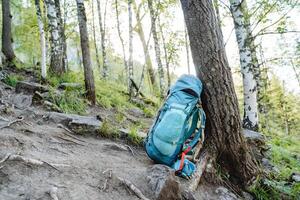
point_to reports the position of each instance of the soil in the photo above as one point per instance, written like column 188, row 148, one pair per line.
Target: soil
column 85, row 164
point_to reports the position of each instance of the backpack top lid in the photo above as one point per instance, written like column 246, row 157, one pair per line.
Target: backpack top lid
column 188, row 82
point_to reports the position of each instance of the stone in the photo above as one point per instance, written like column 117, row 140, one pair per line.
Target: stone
column 30, row 87
column 254, row 136
column 77, row 123
column 125, row 132
column 72, row 86
column 22, row 101
column 295, row 177
column 225, row 194
column 163, row 183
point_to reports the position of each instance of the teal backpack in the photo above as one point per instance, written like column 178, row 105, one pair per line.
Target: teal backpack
column 178, row 127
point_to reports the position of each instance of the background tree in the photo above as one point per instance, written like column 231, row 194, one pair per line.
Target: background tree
column 225, row 139
column 7, row 39
column 84, row 40
column 42, row 39
column 56, row 55
column 130, row 61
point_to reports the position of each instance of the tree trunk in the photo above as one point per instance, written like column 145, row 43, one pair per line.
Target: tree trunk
column 130, row 61
column 94, row 37
column 165, row 52
column 140, row 31
column 7, row 40
column 103, row 47
column 224, row 140
column 57, row 56
column 120, row 37
column 66, row 62
column 242, row 28
column 84, row 40
column 42, row 39
column 187, row 49
column 157, row 48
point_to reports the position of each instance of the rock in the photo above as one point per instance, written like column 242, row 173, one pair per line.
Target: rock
column 247, row 196
column 72, row 86
column 29, row 87
column 295, row 177
column 135, row 112
column 22, row 101
column 51, row 106
column 163, row 183
column 77, row 123
column 125, row 132
column 115, row 146
column 256, row 142
column 225, row 194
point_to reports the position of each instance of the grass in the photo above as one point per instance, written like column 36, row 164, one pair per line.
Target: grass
column 108, row 131
column 285, row 156
column 12, row 79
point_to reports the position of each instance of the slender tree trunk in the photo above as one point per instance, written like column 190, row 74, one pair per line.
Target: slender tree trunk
column 121, row 38
column 7, row 40
column 130, row 61
column 103, row 47
column 187, row 49
column 224, row 140
column 84, row 40
column 66, row 62
column 250, row 120
column 157, row 48
column 140, row 31
column 165, row 52
column 57, row 56
column 42, row 39
column 94, row 37
column 295, row 71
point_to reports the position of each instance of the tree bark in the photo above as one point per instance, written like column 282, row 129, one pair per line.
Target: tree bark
column 130, row 61
column 42, row 39
column 242, row 28
column 223, row 128
column 7, row 40
column 57, row 56
column 84, row 40
column 157, row 48
column 165, row 52
column 187, row 49
column 94, row 37
column 140, row 31
column 103, row 46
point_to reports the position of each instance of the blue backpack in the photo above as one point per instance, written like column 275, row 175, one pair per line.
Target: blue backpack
column 179, row 126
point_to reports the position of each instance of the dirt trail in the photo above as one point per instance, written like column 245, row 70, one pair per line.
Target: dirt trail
column 82, row 161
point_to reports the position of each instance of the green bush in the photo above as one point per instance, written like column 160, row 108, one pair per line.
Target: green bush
column 12, row 79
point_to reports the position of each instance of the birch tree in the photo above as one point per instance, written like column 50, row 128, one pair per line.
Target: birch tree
column 56, row 55
column 7, row 48
column 86, row 58
column 224, row 138
column 103, row 45
column 42, row 39
column 157, row 47
column 94, row 37
column 140, row 31
column 242, row 28
column 130, row 61
column 187, row 49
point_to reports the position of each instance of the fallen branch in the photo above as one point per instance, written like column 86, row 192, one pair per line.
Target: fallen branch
column 133, row 188
column 13, row 157
column 4, row 119
column 130, row 149
column 200, row 168
column 68, row 130
column 12, row 122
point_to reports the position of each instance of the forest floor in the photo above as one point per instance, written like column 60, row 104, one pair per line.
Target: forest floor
column 41, row 160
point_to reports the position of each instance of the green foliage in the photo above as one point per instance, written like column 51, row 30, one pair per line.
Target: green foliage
column 108, row 131
column 12, row 79
column 133, row 135
column 69, row 77
column 69, row 101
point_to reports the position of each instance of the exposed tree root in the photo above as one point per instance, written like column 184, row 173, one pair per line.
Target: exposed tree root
column 201, row 166
column 53, row 193
column 133, row 188
column 12, row 122
column 13, row 157
column 68, row 140
column 68, row 130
